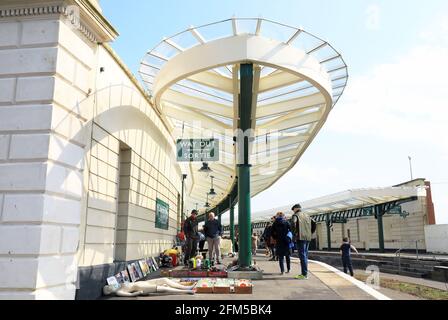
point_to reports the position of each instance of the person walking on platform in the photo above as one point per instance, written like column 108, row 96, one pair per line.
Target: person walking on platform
column 213, row 233
column 192, row 237
column 267, row 236
column 302, row 227
column 280, row 230
column 345, row 251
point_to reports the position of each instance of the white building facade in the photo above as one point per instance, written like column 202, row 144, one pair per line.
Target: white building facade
column 84, row 156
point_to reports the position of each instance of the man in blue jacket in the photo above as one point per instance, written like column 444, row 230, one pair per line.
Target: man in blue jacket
column 213, row 233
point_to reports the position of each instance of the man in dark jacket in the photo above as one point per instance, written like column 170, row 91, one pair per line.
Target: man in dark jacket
column 280, row 230
column 267, row 236
column 213, row 233
column 192, row 237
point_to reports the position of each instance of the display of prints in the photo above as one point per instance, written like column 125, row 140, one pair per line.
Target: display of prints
column 125, row 276
column 112, row 281
column 144, row 267
column 139, row 271
column 162, row 214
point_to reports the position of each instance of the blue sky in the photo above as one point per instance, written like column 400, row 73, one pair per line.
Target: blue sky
column 395, row 104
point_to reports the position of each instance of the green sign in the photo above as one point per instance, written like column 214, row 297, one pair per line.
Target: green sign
column 162, row 214
column 197, row 150
column 395, row 210
column 367, row 211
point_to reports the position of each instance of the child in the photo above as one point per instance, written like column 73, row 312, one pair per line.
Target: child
column 345, row 250
column 254, row 244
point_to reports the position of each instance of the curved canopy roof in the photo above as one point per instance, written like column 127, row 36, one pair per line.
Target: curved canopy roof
column 346, row 200
column 193, row 78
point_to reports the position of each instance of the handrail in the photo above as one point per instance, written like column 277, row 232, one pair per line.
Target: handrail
column 398, row 252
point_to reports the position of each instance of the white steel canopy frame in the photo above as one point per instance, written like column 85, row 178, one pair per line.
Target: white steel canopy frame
column 193, row 78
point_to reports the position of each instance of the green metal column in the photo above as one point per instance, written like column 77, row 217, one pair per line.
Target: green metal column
column 328, row 222
column 232, row 224
column 244, row 211
column 379, row 216
column 219, row 215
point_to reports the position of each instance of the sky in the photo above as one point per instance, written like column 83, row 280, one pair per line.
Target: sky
column 395, row 104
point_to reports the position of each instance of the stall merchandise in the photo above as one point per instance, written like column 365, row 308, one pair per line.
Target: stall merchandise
column 125, row 276
column 139, row 271
column 204, row 286
column 223, row 286
column 144, row 266
column 112, row 281
column 243, row 286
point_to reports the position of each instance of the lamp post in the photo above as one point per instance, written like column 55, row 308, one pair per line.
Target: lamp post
column 410, row 167
column 212, row 192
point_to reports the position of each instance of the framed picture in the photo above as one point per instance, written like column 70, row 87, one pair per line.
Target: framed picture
column 155, row 263
column 162, row 214
column 112, row 281
column 125, row 276
column 119, row 278
column 144, row 267
column 139, row 271
column 151, row 264
column 133, row 272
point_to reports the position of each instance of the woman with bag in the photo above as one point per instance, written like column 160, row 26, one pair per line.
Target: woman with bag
column 280, row 231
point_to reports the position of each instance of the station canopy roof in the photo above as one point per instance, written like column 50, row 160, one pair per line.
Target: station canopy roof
column 346, row 200
column 193, row 78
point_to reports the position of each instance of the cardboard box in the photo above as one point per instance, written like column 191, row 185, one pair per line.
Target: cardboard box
column 243, row 286
column 222, row 286
column 204, row 286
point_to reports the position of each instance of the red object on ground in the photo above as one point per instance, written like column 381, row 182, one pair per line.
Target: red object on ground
column 174, row 259
column 198, row 274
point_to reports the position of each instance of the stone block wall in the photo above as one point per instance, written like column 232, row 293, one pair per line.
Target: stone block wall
column 62, row 125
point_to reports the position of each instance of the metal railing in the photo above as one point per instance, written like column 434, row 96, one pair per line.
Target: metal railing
column 398, row 252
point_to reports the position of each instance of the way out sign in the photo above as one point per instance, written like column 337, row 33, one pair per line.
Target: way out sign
column 197, row 150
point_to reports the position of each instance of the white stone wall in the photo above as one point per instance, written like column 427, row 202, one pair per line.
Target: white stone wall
column 437, row 238
column 62, row 122
column 40, row 169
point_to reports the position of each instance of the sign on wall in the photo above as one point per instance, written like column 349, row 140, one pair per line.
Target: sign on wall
column 197, row 150
column 162, row 214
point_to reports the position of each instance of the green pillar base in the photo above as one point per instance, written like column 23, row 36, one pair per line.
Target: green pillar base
column 244, row 219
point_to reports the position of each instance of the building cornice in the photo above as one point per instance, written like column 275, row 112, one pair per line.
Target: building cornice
column 90, row 22
column 97, row 21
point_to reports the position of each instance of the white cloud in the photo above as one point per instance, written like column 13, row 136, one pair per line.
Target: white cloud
column 373, row 17
column 403, row 101
column 437, row 32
